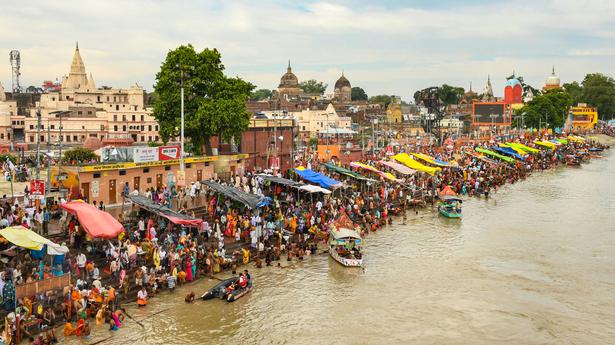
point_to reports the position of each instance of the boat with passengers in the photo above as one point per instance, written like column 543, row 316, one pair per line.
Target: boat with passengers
column 450, row 206
column 345, row 247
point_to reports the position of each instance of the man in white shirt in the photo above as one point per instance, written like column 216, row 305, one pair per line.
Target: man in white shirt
column 81, row 261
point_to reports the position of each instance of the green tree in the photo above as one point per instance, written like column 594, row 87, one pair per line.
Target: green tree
column 382, row 99
column 599, row 91
column 313, row 142
column 450, row 94
column 4, row 156
column 214, row 103
column 575, row 90
column 79, row 155
column 546, row 110
column 313, row 86
column 260, row 94
column 358, row 94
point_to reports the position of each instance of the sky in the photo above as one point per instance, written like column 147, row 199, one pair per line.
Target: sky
column 384, row 46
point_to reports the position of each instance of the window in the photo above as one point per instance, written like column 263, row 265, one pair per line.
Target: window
column 142, row 117
column 115, row 128
column 107, row 98
column 79, row 112
column 115, row 117
column 124, row 128
column 142, row 128
column 149, row 180
column 188, row 165
column 31, row 138
column 53, row 126
column 122, row 172
column 98, row 99
column 8, row 136
column 167, row 168
column 1, row 135
column 114, row 99
column 42, row 139
column 117, row 107
column 150, row 128
column 68, row 138
column 89, row 112
column 156, row 138
column 53, row 98
column 75, row 138
column 134, row 118
column 96, row 175
column 31, row 126
column 145, row 170
column 156, row 128
column 143, row 138
column 124, row 118
column 149, row 138
column 206, row 164
column 303, row 128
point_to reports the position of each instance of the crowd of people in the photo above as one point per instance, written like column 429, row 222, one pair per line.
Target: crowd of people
column 154, row 254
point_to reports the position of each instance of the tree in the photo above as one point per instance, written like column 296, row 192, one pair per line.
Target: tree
column 79, row 155
column 214, row 103
column 575, row 90
column 313, row 86
column 260, row 94
column 546, row 110
column 34, row 89
column 599, row 91
column 382, row 99
column 450, row 94
column 358, row 94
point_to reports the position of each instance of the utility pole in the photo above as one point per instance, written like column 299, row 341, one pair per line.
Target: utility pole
column 181, row 139
column 275, row 144
column 48, row 189
column 327, row 133
column 38, row 139
column 373, row 138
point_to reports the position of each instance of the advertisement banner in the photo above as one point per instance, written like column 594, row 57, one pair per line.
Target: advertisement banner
column 37, row 187
column 168, row 152
column 145, row 154
column 181, row 178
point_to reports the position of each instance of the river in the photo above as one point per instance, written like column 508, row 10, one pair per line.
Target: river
column 533, row 264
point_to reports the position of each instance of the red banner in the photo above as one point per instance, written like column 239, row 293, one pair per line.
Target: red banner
column 166, row 153
column 37, row 187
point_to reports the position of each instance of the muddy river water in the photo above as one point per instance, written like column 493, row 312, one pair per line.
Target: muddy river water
column 533, row 264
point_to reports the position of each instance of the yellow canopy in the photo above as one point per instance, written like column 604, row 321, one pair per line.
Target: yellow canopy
column 412, row 164
column 516, row 149
column 546, row 144
column 368, row 167
column 22, row 237
column 523, row 147
column 576, row 138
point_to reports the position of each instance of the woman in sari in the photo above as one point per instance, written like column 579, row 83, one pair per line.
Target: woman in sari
column 188, row 269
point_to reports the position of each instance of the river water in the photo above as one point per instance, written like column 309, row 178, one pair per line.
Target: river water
column 533, row 264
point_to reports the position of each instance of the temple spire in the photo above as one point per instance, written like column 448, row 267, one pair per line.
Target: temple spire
column 288, row 69
column 553, row 70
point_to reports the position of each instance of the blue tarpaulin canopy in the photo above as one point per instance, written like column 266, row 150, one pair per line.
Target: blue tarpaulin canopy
column 509, row 152
column 314, row 177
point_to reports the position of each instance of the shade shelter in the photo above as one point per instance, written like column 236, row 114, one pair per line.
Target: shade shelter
column 97, row 223
column 252, row 201
column 163, row 211
column 26, row 238
column 314, row 177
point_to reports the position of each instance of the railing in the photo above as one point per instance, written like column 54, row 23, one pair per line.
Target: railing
column 35, row 288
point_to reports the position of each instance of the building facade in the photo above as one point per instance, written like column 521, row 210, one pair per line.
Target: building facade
column 80, row 110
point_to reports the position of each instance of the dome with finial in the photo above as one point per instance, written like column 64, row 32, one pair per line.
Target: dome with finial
column 552, row 80
column 289, row 79
column 342, row 82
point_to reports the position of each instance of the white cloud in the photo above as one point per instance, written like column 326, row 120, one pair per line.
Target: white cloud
column 392, row 49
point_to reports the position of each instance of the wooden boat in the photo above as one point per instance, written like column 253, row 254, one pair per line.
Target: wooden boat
column 344, row 247
column 219, row 290
column 450, row 207
column 572, row 160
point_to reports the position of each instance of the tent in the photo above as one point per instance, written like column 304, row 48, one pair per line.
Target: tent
column 280, row 180
column 411, row 163
column 310, row 188
column 400, row 168
column 163, row 211
column 509, row 152
column 252, row 201
column 314, row 177
column 23, row 237
column 546, row 144
column 345, row 171
column 494, row 154
column 431, row 160
column 367, row 167
column 523, row 147
column 97, row 223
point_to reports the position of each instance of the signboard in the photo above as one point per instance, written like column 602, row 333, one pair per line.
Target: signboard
column 37, row 187
column 181, row 178
column 490, row 114
column 131, row 165
column 274, row 163
column 168, row 152
column 145, row 154
column 95, row 189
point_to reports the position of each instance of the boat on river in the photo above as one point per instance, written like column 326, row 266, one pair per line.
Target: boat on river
column 219, row 290
column 450, row 206
column 345, row 247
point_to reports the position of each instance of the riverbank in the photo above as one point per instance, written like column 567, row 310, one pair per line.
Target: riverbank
column 512, row 272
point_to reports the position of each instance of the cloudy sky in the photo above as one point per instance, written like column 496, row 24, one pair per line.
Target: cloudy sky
column 384, row 46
